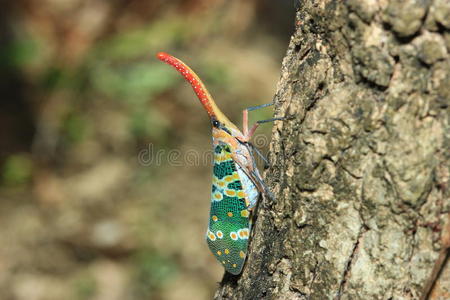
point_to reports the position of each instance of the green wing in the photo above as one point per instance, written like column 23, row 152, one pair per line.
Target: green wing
column 229, row 224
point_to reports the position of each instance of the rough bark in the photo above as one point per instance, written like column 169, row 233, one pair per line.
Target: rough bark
column 360, row 169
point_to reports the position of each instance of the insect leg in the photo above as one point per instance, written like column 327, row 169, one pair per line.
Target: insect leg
column 253, row 173
column 259, row 106
column 271, row 120
column 266, row 163
column 249, row 133
column 264, row 187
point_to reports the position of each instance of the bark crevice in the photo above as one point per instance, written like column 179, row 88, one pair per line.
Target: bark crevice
column 350, row 261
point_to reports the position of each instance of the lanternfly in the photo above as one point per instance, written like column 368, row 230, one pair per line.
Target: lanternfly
column 236, row 183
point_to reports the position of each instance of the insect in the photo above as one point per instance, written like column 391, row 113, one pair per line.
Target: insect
column 236, row 183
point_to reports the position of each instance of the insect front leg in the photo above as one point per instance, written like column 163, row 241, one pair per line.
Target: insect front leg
column 248, row 133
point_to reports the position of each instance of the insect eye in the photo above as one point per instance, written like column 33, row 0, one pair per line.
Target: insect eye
column 215, row 123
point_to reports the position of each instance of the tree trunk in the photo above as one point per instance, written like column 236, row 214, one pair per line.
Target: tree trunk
column 360, row 168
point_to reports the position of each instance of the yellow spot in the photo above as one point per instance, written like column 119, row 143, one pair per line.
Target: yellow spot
column 241, row 194
column 228, row 178
column 233, row 235
column 214, row 218
column 219, row 252
column 211, row 236
column 219, row 234
column 244, row 213
column 243, row 233
column 230, row 214
column 234, row 265
column 227, row 251
column 242, row 254
column 235, row 175
column 230, row 193
column 227, row 156
column 221, row 183
column 218, row 196
column 223, row 261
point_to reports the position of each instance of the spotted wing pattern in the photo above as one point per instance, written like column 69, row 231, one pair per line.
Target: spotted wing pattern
column 229, row 223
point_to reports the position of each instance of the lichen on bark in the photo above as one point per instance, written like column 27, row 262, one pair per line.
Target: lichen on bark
column 360, row 166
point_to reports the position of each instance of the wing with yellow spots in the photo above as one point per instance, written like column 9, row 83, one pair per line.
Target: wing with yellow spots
column 229, row 224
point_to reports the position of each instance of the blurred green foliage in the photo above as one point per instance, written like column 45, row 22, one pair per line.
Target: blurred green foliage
column 17, row 169
column 140, row 41
column 74, row 127
column 153, row 271
column 85, row 286
column 19, row 52
column 132, row 83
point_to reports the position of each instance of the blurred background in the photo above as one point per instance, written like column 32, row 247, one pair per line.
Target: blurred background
column 104, row 168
